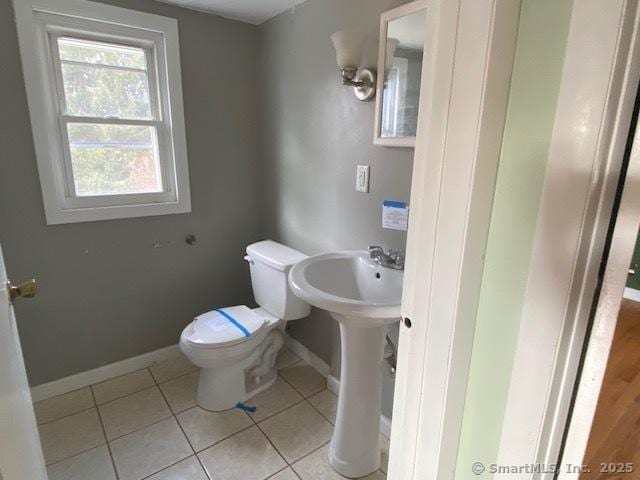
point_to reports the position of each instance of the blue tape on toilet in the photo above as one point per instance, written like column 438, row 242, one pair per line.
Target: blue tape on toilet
column 234, row 321
column 246, row 408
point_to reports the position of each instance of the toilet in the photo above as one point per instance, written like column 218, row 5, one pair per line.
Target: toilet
column 236, row 347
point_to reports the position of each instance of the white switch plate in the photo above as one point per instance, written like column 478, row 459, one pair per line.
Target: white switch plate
column 362, row 178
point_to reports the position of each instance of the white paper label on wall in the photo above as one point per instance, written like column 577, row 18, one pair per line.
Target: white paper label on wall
column 395, row 215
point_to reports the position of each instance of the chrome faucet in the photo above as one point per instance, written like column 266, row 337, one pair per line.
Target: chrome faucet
column 392, row 259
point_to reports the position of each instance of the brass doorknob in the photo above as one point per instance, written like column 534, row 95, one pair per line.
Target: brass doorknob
column 24, row 290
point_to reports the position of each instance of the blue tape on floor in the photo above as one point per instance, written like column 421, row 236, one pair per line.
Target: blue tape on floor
column 246, row 408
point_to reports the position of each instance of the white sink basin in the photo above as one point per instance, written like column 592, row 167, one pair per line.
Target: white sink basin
column 364, row 298
column 349, row 283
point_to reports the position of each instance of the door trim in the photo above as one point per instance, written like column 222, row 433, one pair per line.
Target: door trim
column 595, row 104
column 606, row 316
column 465, row 85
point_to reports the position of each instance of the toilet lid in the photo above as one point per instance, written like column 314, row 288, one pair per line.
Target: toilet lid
column 225, row 326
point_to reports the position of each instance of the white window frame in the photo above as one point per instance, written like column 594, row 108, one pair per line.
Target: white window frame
column 40, row 23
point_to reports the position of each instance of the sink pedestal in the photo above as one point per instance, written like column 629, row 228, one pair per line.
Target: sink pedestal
column 355, row 446
column 364, row 298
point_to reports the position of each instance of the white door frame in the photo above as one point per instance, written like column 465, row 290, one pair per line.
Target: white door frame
column 595, row 103
column 615, row 277
column 465, row 85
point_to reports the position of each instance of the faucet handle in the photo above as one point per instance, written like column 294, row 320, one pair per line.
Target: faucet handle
column 375, row 248
column 397, row 257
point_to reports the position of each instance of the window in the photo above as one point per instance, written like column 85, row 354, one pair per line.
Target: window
column 105, row 99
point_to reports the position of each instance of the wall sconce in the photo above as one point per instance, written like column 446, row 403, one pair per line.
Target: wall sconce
column 348, row 47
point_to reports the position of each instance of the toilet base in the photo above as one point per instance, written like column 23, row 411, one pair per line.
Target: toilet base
column 217, row 392
column 221, row 387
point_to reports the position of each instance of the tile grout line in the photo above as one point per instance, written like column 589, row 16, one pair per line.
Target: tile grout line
column 104, row 432
column 155, row 383
column 306, row 399
column 175, row 417
column 172, row 378
column 292, row 364
column 257, row 425
column 297, row 402
column 280, row 471
column 173, row 414
column 318, row 410
column 110, row 379
column 168, row 467
column 277, row 450
column 126, row 394
column 195, row 452
column 303, row 400
column 308, row 454
column 138, row 429
column 95, row 401
column 68, row 415
column 292, row 386
column 96, row 407
column 221, row 440
column 298, row 391
column 333, row 425
column 47, row 465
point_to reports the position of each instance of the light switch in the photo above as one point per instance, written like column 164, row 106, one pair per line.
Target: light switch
column 362, row 178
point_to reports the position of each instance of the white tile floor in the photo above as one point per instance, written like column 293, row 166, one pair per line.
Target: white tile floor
column 147, row 425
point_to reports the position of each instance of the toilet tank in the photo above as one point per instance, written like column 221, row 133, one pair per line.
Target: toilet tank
column 270, row 263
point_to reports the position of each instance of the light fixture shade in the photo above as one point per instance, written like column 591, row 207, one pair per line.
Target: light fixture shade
column 348, row 48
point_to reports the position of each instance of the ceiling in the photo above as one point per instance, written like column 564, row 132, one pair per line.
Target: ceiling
column 250, row 11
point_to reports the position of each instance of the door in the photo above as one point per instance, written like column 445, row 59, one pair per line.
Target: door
column 20, row 453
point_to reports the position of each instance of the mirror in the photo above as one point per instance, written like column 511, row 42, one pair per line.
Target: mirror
column 402, row 37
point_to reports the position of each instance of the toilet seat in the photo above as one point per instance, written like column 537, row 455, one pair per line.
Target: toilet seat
column 224, row 327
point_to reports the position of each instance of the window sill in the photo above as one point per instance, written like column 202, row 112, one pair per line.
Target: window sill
column 57, row 216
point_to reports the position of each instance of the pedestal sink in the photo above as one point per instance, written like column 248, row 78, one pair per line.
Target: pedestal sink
column 364, row 298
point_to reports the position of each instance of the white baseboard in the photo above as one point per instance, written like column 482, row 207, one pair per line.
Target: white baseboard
column 128, row 365
column 385, row 426
column 308, row 356
column 632, row 294
column 100, row 374
column 333, row 384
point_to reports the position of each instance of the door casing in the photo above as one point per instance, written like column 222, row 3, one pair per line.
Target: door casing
column 599, row 81
column 467, row 69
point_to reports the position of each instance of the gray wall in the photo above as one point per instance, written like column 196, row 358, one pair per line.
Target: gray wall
column 105, row 292
column 314, row 132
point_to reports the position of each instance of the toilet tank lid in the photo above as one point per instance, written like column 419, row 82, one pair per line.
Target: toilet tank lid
column 274, row 254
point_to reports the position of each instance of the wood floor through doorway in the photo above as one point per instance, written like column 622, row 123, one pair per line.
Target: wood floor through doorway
column 615, row 435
